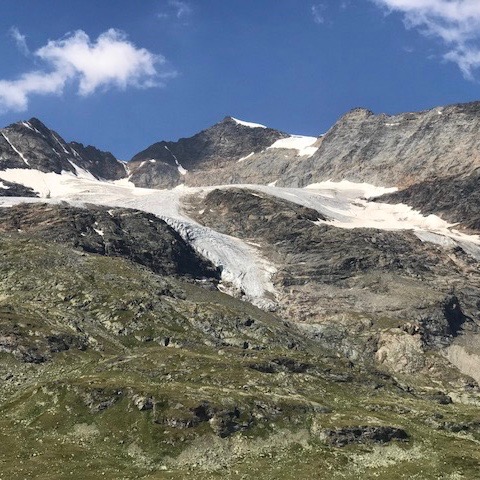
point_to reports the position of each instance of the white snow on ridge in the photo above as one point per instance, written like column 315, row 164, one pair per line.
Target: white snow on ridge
column 33, row 129
column 351, row 190
column 61, row 144
column 20, row 154
column 248, row 124
column 303, row 144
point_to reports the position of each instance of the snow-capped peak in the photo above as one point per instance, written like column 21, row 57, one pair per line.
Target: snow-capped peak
column 247, row 124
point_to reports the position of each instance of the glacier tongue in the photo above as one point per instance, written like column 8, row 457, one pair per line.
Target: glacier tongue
column 244, row 270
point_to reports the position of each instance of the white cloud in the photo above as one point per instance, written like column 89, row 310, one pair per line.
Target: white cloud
column 20, row 40
column 317, row 13
column 455, row 22
column 110, row 61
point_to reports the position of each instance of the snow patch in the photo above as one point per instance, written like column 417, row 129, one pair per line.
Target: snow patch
column 245, row 158
column 75, row 153
column 181, row 170
column 247, row 124
column 61, row 144
column 20, row 154
column 32, row 128
column 351, row 190
column 303, row 144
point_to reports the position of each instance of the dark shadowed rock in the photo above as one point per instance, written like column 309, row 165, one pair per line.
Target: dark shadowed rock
column 31, row 145
column 455, row 199
column 101, row 164
column 349, row 435
column 141, row 237
column 10, row 189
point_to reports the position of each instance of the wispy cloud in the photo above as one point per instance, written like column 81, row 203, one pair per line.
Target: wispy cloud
column 177, row 9
column 20, row 40
column 110, row 61
column 456, row 23
column 183, row 9
column 318, row 13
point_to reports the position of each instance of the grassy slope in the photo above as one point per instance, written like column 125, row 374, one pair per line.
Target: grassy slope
column 53, row 426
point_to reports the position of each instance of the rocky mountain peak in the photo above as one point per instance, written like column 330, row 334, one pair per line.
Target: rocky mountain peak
column 32, row 145
column 165, row 164
column 358, row 113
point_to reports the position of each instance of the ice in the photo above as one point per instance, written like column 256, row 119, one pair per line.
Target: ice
column 346, row 205
column 244, row 269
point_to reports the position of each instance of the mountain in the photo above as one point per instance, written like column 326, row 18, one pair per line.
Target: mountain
column 166, row 164
column 389, row 150
column 236, row 328
column 395, row 150
column 31, row 145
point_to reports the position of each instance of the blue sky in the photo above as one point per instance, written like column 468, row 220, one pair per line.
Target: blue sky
column 171, row 68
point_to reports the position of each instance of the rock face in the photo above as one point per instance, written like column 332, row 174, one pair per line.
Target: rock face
column 10, row 189
column 336, row 281
column 142, row 238
column 388, row 150
column 164, row 164
column 117, row 345
column 397, row 150
column 32, row 145
column 100, row 164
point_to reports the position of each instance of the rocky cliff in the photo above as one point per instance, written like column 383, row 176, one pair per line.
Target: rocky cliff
column 164, row 164
column 31, row 145
column 395, row 150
